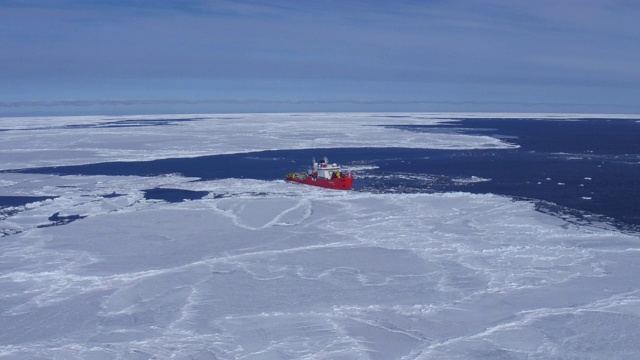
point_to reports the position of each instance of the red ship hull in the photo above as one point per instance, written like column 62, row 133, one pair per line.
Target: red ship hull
column 342, row 183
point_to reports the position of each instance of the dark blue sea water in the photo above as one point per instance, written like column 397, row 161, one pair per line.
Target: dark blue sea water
column 575, row 167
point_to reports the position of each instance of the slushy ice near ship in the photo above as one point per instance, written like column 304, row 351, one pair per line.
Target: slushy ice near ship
column 324, row 175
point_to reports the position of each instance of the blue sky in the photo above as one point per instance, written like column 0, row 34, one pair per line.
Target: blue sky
column 193, row 56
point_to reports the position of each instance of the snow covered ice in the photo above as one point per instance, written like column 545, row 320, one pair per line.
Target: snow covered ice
column 271, row 270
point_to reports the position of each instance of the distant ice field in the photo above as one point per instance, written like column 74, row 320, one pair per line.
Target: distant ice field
column 176, row 237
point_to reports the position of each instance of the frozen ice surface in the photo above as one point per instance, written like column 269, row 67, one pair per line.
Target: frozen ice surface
column 272, row 270
column 30, row 142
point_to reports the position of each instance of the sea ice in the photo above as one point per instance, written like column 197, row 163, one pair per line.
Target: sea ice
column 268, row 269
